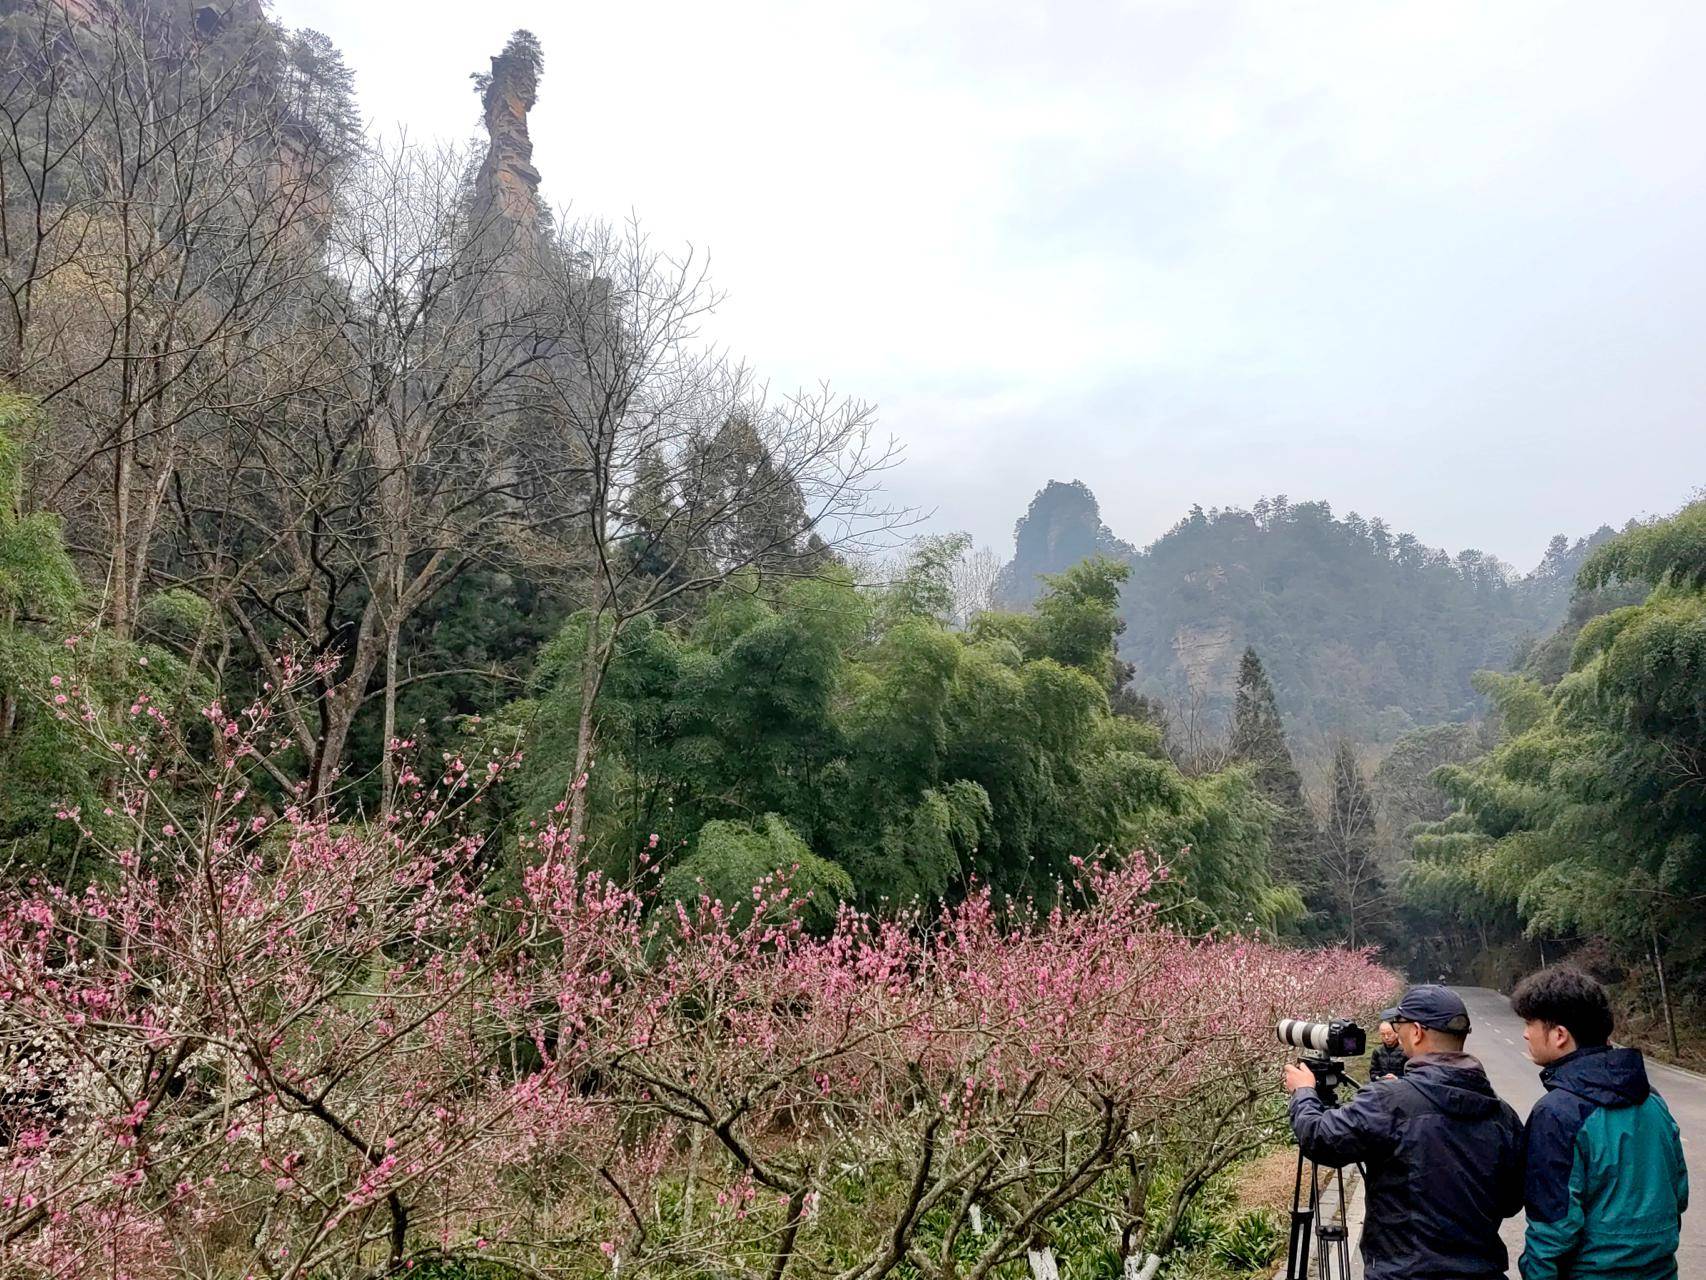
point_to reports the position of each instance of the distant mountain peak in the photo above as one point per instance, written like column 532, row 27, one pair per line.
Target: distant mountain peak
column 1062, row 526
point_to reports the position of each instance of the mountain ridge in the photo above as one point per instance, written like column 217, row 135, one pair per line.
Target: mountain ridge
column 1366, row 632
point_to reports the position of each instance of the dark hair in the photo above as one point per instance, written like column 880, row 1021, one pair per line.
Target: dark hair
column 1568, row 998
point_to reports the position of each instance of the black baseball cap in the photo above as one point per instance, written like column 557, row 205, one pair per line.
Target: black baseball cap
column 1430, row 1005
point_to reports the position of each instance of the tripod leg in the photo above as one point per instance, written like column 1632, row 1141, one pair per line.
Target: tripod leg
column 1302, row 1219
column 1334, row 1260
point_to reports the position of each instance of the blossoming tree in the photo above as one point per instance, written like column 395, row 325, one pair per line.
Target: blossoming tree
column 269, row 1043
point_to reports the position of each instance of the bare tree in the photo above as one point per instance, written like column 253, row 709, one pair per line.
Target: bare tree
column 1349, row 855
column 686, row 473
column 334, row 515
column 1198, row 739
column 163, row 177
column 973, row 578
column 348, row 392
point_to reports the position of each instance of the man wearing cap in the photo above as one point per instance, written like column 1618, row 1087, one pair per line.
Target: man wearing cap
column 1444, row 1156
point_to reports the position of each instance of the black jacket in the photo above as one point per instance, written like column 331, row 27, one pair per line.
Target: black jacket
column 1445, row 1166
column 1386, row 1062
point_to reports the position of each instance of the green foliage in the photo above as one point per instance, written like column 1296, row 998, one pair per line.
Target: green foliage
column 925, row 588
column 38, row 582
column 1078, row 617
column 1251, row 1242
column 730, row 858
column 175, row 616
column 468, row 651
column 42, row 767
column 1588, row 817
column 856, row 734
column 1549, row 659
column 1672, row 550
column 45, row 766
column 922, row 853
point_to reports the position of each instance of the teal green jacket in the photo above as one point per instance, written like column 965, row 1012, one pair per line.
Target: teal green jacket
column 1606, row 1186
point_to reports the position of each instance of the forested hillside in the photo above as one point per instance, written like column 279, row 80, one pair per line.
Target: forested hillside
column 1364, row 632
column 1583, row 826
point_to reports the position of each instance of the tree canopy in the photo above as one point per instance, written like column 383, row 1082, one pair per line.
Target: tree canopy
column 856, row 733
column 1588, row 818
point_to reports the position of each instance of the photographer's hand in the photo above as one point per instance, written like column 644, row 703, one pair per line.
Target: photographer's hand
column 1298, row 1076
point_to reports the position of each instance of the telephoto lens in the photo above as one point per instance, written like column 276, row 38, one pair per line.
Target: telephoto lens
column 1340, row 1038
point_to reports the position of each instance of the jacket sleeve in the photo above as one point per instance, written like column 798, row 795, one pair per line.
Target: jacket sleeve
column 1363, row 1129
column 1513, row 1186
column 1681, row 1176
column 1385, row 1062
column 1556, row 1178
column 1675, row 1135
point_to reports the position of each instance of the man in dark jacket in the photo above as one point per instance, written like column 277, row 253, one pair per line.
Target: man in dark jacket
column 1388, row 1057
column 1607, row 1186
column 1443, row 1154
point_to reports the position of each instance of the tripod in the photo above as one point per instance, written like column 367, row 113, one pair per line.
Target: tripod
column 1333, row 1261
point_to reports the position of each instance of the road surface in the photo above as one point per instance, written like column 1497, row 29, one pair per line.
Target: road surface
column 1497, row 1041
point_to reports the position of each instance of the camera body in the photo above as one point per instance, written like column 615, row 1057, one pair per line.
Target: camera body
column 1340, row 1038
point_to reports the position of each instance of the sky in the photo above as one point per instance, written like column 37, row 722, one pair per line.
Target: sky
column 1435, row 262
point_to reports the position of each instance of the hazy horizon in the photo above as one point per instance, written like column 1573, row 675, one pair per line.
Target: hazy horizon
column 1434, row 263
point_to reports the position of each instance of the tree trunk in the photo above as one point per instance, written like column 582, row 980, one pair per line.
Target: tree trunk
column 147, row 518
column 387, row 753
column 118, row 577
column 1664, row 993
column 691, row 1179
column 341, row 700
column 592, row 677
column 337, row 717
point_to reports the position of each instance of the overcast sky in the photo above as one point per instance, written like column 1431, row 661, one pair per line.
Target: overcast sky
column 1440, row 263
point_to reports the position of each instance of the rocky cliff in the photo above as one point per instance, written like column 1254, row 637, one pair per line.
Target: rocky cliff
column 508, row 182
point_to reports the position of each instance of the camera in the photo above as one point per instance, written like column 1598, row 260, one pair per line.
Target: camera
column 1340, row 1038
column 1314, row 1220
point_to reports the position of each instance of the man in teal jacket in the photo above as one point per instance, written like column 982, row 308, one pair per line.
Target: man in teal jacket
column 1606, row 1183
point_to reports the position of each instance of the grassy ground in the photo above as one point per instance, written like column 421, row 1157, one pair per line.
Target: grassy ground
column 1266, row 1182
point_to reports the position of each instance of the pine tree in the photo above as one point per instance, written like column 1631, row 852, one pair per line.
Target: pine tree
column 1258, row 739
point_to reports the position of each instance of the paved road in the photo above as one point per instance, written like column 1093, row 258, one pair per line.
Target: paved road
column 1497, row 1041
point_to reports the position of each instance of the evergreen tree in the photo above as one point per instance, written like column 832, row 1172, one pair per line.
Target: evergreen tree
column 1258, row 739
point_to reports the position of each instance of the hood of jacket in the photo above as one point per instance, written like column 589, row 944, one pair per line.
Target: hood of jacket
column 1456, row 1083
column 1605, row 1076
